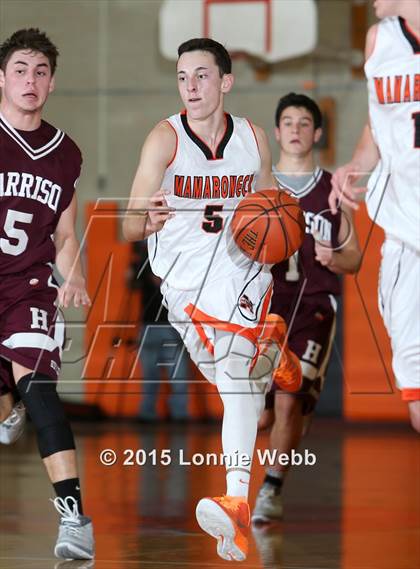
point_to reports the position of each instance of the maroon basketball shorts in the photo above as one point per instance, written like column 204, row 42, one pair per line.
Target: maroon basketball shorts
column 31, row 327
column 311, row 334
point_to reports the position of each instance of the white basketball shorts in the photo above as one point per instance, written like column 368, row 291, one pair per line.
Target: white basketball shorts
column 238, row 305
column 399, row 304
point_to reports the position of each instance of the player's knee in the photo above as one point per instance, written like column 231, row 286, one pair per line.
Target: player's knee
column 232, row 377
column 286, row 407
column 266, row 420
column 415, row 423
column 414, row 409
column 40, row 397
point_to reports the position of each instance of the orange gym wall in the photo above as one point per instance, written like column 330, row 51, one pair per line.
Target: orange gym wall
column 112, row 372
column 112, row 319
column 369, row 390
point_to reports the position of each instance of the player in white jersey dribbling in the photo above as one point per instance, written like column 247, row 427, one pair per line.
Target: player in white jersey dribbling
column 194, row 169
column 390, row 144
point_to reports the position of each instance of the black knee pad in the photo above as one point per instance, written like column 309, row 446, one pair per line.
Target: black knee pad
column 40, row 397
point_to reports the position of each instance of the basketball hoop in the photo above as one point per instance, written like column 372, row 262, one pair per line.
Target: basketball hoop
column 267, row 17
column 263, row 31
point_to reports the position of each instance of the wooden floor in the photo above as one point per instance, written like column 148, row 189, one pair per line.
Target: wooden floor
column 357, row 508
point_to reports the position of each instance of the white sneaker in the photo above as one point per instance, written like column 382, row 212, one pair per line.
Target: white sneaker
column 268, row 505
column 75, row 532
column 226, row 518
column 12, row 427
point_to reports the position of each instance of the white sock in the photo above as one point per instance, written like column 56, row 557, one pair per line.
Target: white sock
column 242, row 406
column 237, row 482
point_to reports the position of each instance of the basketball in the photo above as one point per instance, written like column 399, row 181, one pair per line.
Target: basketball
column 268, row 226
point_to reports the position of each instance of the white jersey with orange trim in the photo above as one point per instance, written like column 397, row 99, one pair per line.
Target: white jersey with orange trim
column 393, row 74
column 195, row 247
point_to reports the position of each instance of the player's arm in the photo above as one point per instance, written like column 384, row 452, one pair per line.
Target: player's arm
column 365, row 157
column 346, row 259
column 146, row 210
column 265, row 177
column 68, row 259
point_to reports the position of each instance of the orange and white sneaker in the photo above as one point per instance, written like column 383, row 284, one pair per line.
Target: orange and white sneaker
column 288, row 374
column 226, row 519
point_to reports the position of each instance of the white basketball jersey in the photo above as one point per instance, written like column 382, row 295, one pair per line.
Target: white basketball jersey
column 196, row 247
column 393, row 74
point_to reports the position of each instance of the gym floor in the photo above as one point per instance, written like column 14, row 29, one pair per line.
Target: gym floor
column 358, row 507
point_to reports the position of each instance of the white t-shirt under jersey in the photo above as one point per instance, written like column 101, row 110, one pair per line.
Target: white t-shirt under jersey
column 393, row 74
column 196, row 247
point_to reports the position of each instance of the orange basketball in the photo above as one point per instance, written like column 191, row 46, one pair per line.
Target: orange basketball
column 268, row 226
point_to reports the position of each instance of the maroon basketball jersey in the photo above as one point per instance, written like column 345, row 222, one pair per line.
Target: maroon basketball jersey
column 290, row 276
column 38, row 173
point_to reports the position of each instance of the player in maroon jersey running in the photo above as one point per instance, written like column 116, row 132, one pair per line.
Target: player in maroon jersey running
column 305, row 286
column 39, row 168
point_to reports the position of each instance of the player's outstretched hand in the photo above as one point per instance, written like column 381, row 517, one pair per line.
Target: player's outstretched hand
column 343, row 190
column 73, row 290
column 158, row 213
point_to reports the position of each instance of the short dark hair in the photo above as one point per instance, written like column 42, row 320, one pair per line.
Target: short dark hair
column 298, row 100
column 28, row 39
column 220, row 53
